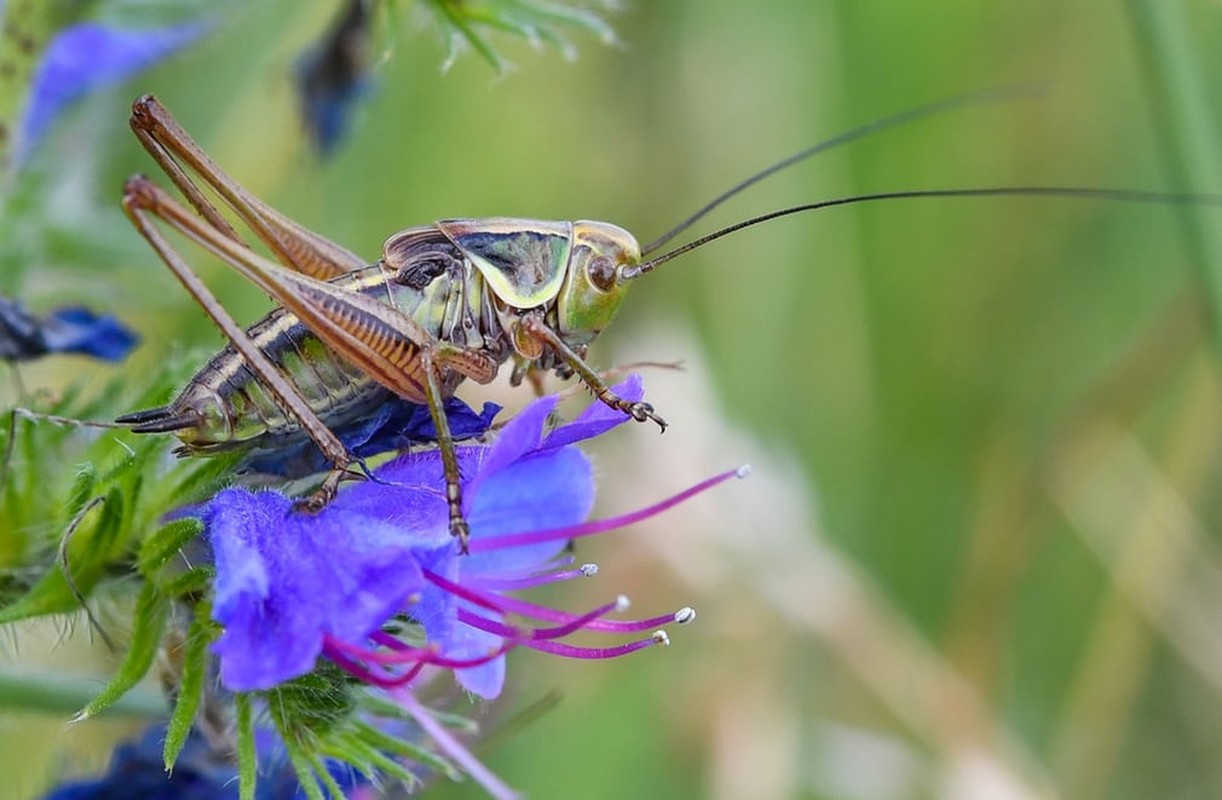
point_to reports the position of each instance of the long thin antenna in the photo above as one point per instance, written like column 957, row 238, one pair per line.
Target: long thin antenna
column 998, row 94
column 1071, row 192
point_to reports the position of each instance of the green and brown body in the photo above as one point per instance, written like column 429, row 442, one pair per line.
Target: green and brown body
column 437, row 276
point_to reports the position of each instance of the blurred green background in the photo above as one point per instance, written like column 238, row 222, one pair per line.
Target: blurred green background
column 978, row 555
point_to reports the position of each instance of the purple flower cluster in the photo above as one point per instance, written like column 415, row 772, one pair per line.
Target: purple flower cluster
column 137, row 770
column 376, row 584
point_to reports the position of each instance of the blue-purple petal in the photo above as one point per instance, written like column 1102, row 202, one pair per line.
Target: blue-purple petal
column 519, row 437
column 545, row 491
column 396, row 424
column 487, row 679
column 597, row 418
column 89, row 56
column 79, row 330
column 284, row 579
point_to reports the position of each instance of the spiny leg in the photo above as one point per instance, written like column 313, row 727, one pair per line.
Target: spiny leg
column 374, row 337
column 445, row 443
column 620, row 371
column 142, row 200
column 294, row 245
column 536, row 327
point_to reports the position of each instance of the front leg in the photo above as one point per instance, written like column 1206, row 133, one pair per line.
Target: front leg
column 434, row 357
column 534, row 326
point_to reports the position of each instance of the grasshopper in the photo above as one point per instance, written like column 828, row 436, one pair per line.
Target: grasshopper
column 445, row 302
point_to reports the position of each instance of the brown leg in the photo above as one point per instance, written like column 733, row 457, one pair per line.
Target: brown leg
column 142, row 200
column 373, row 336
column 294, row 245
column 445, row 443
column 639, row 411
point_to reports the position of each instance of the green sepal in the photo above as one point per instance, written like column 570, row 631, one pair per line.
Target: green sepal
column 323, row 774
column 355, row 748
column 203, row 632
column 83, row 484
column 165, row 542
column 385, row 743
column 105, row 544
column 451, row 15
column 247, row 761
column 306, row 778
column 312, row 706
column 193, row 582
column 149, row 622
column 381, row 707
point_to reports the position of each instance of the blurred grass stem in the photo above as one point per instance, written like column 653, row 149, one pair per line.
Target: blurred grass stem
column 1187, row 137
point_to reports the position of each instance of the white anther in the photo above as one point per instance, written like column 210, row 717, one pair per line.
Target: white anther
column 622, row 603
column 742, row 471
column 685, row 615
column 589, row 570
column 660, row 637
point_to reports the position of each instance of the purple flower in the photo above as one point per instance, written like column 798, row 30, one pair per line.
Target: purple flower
column 137, row 769
column 334, row 75
column 24, row 336
column 376, row 583
column 90, row 56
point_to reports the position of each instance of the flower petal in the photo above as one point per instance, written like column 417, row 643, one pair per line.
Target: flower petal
column 79, row 330
column 89, row 56
column 488, row 679
column 395, row 424
column 597, row 418
column 286, row 578
column 519, row 437
column 547, row 490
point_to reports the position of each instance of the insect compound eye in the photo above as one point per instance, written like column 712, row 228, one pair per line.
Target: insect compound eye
column 602, row 273
column 420, row 272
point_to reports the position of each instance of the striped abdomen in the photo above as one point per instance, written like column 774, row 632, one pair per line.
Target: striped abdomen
column 225, row 407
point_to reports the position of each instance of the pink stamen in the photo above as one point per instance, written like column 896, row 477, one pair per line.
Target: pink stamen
column 356, row 660
column 500, row 629
column 572, row 651
column 386, row 640
column 401, row 655
column 513, row 584
column 476, row 598
column 598, row 526
column 521, row 607
column 382, row 678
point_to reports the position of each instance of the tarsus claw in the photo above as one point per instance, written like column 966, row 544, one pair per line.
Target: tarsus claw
column 644, row 411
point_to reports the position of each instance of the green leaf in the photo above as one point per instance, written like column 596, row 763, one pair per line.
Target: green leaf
column 247, row 773
column 53, row 593
column 164, row 543
column 202, row 633
column 151, row 614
